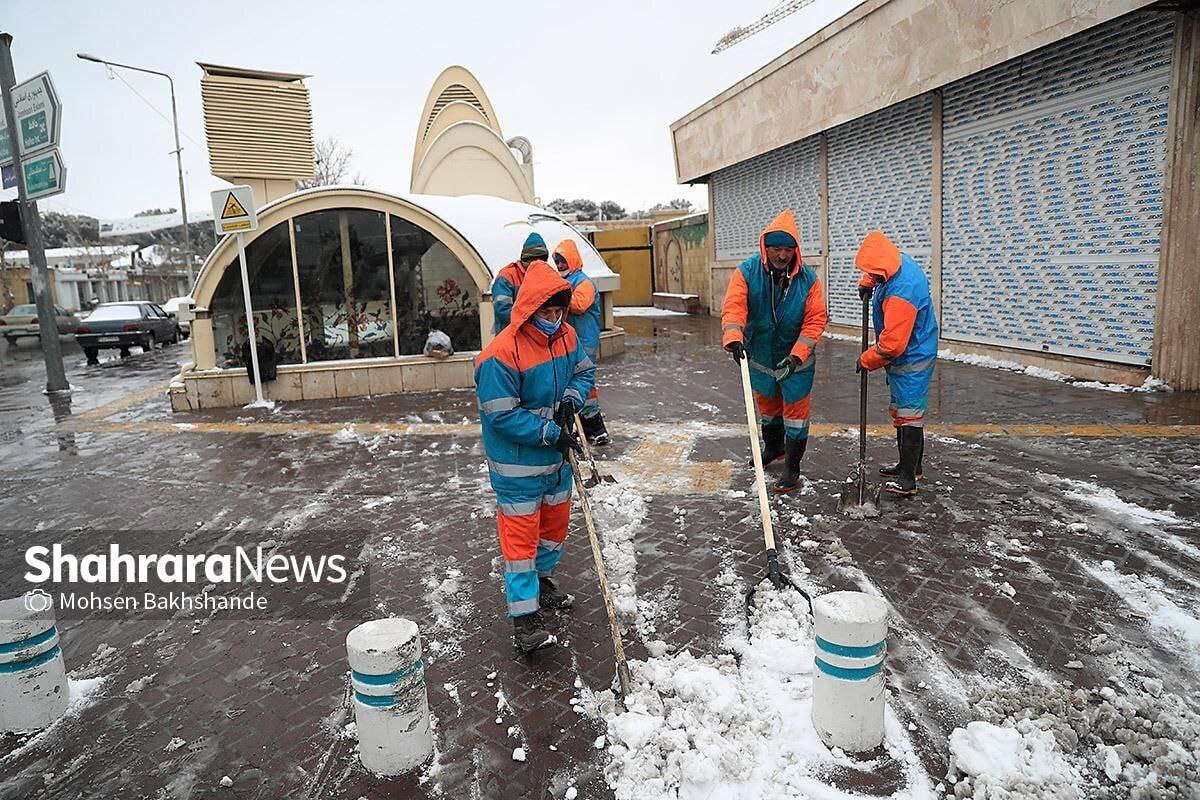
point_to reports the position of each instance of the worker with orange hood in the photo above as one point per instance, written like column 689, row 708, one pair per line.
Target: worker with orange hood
column 906, row 343
column 584, row 317
column 774, row 314
column 530, row 382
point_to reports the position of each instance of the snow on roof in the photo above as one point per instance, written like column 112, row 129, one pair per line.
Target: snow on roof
column 496, row 228
column 91, row 252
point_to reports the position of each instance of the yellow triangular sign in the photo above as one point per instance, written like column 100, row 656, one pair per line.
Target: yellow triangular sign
column 233, row 208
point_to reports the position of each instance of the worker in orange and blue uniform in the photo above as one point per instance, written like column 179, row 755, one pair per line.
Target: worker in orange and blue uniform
column 774, row 314
column 906, row 343
column 584, row 317
column 530, row 382
column 508, row 281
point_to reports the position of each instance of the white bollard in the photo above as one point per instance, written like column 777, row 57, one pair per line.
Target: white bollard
column 391, row 707
column 848, row 698
column 33, row 678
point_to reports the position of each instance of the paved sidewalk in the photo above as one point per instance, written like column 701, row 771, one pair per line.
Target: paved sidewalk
column 1050, row 516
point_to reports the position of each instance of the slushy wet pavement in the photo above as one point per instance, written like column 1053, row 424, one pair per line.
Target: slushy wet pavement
column 1050, row 515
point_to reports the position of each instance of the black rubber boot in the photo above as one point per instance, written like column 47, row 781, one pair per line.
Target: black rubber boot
column 912, row 441
column 894, row 470
column 529, row 633
column 594, row 430
column 773, row 449
column 550, row 596
column 791, row 473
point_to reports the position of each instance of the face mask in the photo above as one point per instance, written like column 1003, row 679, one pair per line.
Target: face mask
column 546, row 326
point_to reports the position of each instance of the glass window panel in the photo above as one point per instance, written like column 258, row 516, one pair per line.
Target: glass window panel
column 433, row 290
column 341, row 256
column 272, row 295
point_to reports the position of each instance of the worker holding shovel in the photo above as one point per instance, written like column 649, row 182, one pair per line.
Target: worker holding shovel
column 774, row 314
column 531, row 380
column 906, row 343
column 584, row 317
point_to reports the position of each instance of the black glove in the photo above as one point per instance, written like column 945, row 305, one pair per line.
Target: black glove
column 567, row 442
column 858, row 367
column 784, row 369
column 865, row 292
column 565, row 415
column 737, row 350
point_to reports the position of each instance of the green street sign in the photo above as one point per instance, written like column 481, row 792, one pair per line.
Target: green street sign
column 35, row 133
column 45, row 175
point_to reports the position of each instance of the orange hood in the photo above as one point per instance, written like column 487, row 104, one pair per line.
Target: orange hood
column 785, row 222
column 570, row 251
column 541, row 283
column 878, row 256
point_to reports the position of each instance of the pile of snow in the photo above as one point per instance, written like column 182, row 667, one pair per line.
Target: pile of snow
column 988, row 762
column 1149, row 385
column 1136, row 745
column 619, row 511
column 719, row 726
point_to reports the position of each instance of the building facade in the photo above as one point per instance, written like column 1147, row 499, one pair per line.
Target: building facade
column 1022, row 152
column 346, row 283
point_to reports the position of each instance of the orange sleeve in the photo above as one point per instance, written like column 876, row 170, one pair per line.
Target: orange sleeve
column 815, row 317
column 899, row 316
column 734, row 310
column 583, row 297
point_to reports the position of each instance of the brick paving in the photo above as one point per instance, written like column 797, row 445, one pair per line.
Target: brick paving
column 265, row 702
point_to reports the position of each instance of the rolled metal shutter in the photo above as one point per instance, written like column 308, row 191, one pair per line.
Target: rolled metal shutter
column 748, row 195
column 880, row 178
column 1052, row 194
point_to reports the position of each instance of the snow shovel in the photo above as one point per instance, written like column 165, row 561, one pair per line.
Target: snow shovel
column 858, row 499
column 618, row 648
column 596, row 477
column 778, row 580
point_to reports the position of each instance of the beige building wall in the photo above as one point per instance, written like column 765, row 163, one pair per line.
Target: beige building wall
column 877, row 55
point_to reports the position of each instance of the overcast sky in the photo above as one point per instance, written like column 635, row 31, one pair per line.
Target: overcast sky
column 594, row 86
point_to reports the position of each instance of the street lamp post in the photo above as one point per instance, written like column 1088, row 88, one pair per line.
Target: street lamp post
column 187, row 239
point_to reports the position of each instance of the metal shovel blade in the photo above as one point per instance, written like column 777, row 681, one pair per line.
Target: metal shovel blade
column 859, row 500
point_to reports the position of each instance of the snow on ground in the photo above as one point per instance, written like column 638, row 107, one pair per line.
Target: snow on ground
column 736, row 725
column 82, row 693
column 645, row 311
column 1149, row 385
column 1019, row 762
column 1067, row 742
column 1106, row 500
column 619, row 511
column 1177, row 628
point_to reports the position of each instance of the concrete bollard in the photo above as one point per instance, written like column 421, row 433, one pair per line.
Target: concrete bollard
column 33, row 678
column 391, row 707
column 848, row 698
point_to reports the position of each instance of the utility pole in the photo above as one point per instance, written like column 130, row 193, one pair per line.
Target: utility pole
column 56, row 376
column 187, row 237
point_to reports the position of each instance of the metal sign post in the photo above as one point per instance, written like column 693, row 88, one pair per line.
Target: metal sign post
column 56, row 377
column 233, row 212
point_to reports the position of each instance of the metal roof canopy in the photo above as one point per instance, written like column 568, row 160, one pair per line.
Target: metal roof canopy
column 243, row 72
column 880, row 53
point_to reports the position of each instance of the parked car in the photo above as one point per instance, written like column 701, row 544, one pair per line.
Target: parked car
column 122, row 325
column 23, row 321
column 172, row 309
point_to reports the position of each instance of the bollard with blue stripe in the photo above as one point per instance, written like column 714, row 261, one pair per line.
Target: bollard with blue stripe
column 848, row 687
column 33, row 678
column 391, row 705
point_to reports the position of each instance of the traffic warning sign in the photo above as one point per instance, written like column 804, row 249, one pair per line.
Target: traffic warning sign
column 233, row 210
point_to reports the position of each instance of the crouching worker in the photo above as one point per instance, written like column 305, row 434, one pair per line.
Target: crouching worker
column 584, row 317
column 774, row 314
column 530, row 381
column 906, row 347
